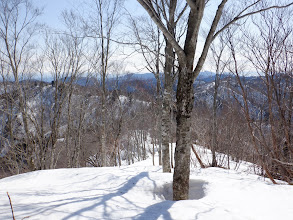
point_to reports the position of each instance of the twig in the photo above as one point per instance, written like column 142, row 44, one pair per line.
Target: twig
column 11, row 206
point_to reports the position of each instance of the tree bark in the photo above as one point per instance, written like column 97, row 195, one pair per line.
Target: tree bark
column 166, row 132
column 168, row 83
column 214, row 121
column 185, row 99
column 166, row 109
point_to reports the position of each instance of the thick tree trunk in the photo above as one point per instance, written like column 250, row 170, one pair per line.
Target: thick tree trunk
column 185, row 99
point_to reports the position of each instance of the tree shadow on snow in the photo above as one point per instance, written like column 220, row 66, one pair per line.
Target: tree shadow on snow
column 156, row 210
column 101, row 200
column 196, row 191
column 120, row 192
column 151, row 212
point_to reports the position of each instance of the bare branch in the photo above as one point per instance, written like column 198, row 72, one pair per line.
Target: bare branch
column 239, row 16
column 150, row 10
column 209, row 39
column 181, row 13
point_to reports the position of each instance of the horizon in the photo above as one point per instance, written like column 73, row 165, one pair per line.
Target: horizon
column 140, row 75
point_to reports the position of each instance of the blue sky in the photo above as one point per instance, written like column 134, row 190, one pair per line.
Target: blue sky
column 52, row 17
column 53, row 9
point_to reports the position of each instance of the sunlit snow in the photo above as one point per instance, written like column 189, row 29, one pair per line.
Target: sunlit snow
column 142, row 191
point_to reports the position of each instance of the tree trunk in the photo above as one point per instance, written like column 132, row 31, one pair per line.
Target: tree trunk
column 185, row 99
column 153, row 154
column 103, row 135
column 68, row 132
column 160, row 139
column 214, row 122
column 166, row 110
column 166, row 132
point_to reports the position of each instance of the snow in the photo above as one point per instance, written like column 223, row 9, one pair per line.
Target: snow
column 142, row 191
column 123, row 99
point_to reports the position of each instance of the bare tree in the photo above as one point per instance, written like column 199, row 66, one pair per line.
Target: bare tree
column 9, row 150
column 171, row 15
column 75, row 45
column 150, row 43
column 218, row 50
column 188, row 73
column 100, row 27
column 271, row 128
column 17, row 28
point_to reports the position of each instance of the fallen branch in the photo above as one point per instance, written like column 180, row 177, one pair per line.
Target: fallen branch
column 197, row 157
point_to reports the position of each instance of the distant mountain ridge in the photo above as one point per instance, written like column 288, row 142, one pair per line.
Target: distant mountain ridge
column 82, row 80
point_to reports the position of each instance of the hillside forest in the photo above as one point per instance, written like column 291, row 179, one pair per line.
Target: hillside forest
column 219, row 75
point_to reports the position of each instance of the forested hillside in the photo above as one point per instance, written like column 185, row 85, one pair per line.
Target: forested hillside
column 107, row 83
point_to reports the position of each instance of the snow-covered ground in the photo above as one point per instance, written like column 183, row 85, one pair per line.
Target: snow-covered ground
column 142, row 191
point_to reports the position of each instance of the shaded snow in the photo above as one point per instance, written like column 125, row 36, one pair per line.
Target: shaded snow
column 141, row 191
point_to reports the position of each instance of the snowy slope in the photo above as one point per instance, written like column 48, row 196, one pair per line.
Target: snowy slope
column 141, row 191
